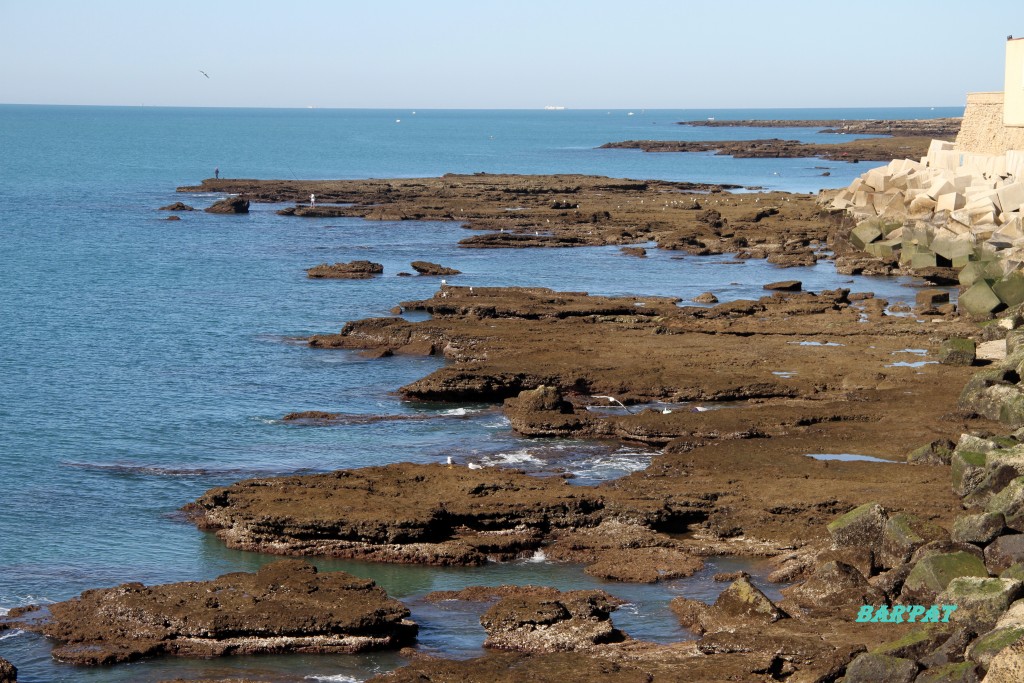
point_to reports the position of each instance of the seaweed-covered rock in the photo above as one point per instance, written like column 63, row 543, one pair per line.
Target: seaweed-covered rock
column 980, row 601
column 861, row 526
column 968, row 471
column 961, row 672
column 873, row 668
column 8, row 672
column 931, row 575
column 938, row 452
column 575, row 620
column 741, row 604
column 1014, row 571
column 983, row 650
column 1010, row 502
column 286, row 606
column 1007, row 665
column 980, row 529
column 1004, row 552
column 903, row 534
column 958, row 352
column 230, row 205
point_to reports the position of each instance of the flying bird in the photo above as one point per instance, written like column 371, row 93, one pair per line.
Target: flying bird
column 204, row 73
column 612, row 399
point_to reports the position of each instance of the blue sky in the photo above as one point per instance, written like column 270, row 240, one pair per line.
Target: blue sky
column 507, row 54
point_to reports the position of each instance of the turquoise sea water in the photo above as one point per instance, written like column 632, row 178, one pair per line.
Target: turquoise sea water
column 146, row 361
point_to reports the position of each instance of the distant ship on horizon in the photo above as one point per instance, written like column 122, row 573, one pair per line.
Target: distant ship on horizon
column 553, row 108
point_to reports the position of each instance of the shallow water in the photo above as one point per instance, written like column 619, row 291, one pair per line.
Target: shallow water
column 146, row 361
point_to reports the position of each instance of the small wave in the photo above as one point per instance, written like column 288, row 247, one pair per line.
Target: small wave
column 340, row 678
column 916, row 364
column 916, row 352
column 329, row 419
column 815, row 343
column 155, row 470
column 537, row 557
column 11, row 634
column 521, row 457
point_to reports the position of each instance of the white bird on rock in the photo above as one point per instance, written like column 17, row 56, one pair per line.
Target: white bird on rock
column 474, row 466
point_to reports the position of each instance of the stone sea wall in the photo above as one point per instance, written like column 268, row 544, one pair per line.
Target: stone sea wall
column 982, row 131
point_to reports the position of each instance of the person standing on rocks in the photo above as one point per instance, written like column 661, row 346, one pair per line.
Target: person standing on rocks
column 216, row 173
column 312, row 200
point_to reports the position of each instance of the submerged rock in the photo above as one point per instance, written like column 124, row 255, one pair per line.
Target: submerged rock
column 286, row 606
column 575, row 620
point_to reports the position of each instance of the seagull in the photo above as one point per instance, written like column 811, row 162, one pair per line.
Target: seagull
column 450, row 463
column 612, row 399
column 666, row 411
column 444, row 282
column 204, row 73
column 474, row 466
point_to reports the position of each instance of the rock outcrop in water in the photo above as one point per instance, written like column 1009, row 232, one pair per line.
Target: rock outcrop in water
column 8, row 672
column 428, row 268
column 557, row 622
column 286, row 606
column 353, row 270
column 230, row 205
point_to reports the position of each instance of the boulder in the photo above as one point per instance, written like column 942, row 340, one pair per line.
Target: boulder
column 903, row 534
column 980, row 601
column 979, row 529
column 833, row 585
column 979, row 301
column 705, row 298
column 938, row 452
column 1004, row 552
column 1010, row 502
column 740, row 604
column 997, row 476
column 1007, row 665
column 639, row 252
column 958, row 352
column 930, row 298
column 287, row 606
column 428, row 268
column 177, row 206
column 644, row 565
column 984, row 650
column 1014, row 571
column 931, row 575
column 861, row 526
column 962, row 672
column 230, row 205
column 873, row 668
column 968, row 471
column 8, row 672
column 572, row 621
column 353, row 270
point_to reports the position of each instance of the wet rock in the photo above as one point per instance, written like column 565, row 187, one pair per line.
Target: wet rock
column 1010, row 502
column 705, row 298
column 353, row 270
column 173, row 218
column 785, row 286
column 979, row 529
column 230, row 205
column 903, row 534
column 639, row 252
column 980, row 600
column 916, row 643
column 739, row 605
column 953, row 650
column 1007, row 665
column 872, row 668
column 958, row 352
column 891, row 582
column 939, row 452
column 861, row 526
column 428, row 268
column 833, row 585
column 286, row 606
column 1004, row 552
column 575, row 620
column 8, row 672
column 931, row 575
column 313, row 416
column 644, row 565
column 177, row 206
column 542, row 412
column 931, row 298
column 983, row 650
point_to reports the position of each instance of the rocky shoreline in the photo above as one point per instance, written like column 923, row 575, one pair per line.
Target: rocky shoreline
column 876, row 149
column 940, row 128
column 757, row 389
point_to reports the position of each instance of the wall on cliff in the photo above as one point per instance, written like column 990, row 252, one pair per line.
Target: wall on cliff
column 982, row 130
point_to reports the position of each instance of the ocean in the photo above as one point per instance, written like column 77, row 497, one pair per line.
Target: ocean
column 146, row 361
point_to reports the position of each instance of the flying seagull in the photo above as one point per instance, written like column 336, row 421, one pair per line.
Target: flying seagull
column 204, row 73
column 612, row 399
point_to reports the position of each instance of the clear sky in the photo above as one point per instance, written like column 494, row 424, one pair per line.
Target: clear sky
column 504, row 54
